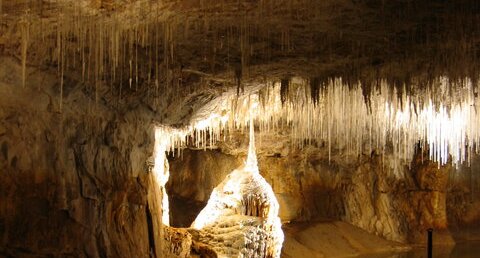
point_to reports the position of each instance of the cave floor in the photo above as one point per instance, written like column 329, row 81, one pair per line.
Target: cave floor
column 334, row 239
column 337, row 239
column 470, row 249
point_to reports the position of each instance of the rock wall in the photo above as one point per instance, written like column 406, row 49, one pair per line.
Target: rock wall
column 369, row 191
column 463, row 201
column 73, row 180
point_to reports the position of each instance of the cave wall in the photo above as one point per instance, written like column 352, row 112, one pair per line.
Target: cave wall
column 364, row 191
column 73, row 180
column 463, row 201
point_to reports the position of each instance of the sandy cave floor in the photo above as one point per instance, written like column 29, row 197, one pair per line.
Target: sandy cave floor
column 333, row 239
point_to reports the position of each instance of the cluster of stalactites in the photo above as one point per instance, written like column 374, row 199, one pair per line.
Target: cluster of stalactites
column 443, row 121
column 133, row 47
column 115, row 49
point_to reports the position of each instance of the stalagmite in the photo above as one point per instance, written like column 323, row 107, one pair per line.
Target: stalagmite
column 242, row 210
column 252, row 153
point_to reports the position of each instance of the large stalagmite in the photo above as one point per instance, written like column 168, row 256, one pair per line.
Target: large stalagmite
column 241, row 217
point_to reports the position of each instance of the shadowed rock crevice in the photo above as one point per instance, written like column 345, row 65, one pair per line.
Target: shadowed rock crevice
column 151, row 236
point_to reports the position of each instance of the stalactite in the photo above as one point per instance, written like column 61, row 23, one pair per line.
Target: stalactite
column 342, row 119
column 25, row 32
column 348, row 118
column 238, row 79
column 244, row 47
column 60, row 57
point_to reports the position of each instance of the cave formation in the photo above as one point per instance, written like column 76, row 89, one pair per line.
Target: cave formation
column 229, row 128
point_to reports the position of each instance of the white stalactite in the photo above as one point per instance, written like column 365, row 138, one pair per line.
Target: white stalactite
column 252, row 163
column 447, row 124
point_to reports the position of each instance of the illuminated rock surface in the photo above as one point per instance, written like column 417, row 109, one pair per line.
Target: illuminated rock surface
column 240, row 219
column 241, row 216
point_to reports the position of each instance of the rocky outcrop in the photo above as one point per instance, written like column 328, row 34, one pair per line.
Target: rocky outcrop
column 399, row 208
column 73, row 181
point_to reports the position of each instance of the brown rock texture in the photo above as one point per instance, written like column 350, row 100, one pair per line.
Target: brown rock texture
column 73, row 182
column 396, row 202
column 463, row 201
column 179, row 242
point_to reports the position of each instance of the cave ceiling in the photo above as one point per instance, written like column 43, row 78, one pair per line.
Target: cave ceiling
column 175, row 44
